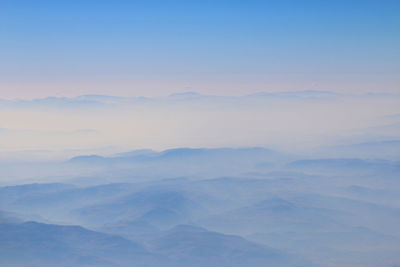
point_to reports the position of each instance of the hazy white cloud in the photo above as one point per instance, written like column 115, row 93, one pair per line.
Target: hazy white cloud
column 294, row 121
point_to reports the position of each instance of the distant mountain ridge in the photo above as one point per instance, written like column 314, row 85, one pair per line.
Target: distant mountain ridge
column 109, row 100
column 177, row 153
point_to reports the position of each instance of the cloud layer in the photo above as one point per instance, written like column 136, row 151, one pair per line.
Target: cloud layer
column 294, row 121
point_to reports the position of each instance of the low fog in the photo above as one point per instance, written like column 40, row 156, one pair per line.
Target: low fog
column 305, row 179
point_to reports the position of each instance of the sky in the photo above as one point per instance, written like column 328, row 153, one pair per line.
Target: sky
column 227, row 50
column 154, row 48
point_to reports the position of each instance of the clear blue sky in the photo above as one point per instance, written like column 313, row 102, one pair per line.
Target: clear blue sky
column 72, row 47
